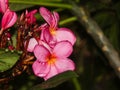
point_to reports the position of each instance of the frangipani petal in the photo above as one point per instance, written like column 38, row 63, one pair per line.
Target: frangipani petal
column 42, row 28
column 50, row 39
column 64, row 64
column 41, row 53
column 46, row 14
column 63, row 49
column 3, row 5
column 65, row 34
column 53, row 71
column 45, row 45
column 40, row 69
column 47, row 36
column 55, row 20
column 31, row 45
column 8, row 19
column 51, row 19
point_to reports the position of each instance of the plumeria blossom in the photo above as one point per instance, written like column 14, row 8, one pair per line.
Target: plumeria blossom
column 9, row 18
column 51, row 62
column 52, row 34
column 3, row 6
column 30, row 18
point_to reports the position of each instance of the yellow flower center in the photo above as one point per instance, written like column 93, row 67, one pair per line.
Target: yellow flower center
column 52, row 31
column 51, row 59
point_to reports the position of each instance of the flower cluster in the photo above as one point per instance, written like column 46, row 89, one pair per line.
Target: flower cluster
column 50, row 44
column 8, row 19
column 53, row 47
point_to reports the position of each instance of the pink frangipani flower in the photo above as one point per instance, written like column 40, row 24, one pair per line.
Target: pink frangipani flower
column 9, row 18
column 52, row 62
column 3, row 6
column 52, row 33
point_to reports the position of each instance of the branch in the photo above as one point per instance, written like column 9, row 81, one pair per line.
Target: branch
column 96, row 33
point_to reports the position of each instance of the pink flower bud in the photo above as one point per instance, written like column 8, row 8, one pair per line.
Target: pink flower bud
column 30, row 18
column 8, row 35
column 3, row 5
column 9, row 18
column 11, row 47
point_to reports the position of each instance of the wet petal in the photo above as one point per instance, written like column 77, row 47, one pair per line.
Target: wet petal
column 46, row 35
column 53, row 71
column 63, row 49
column 65, row 34
column 42, row 28
column 40, row 69
column 31, row 45
column 41, row 53
column 45, row 45
column 46, row 14
column 55, row 19
column 48, row 38
column 64, row 64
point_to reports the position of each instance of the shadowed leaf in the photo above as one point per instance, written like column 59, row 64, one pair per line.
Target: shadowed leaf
column 7, row 60
column 56, row 80
column 18, row 7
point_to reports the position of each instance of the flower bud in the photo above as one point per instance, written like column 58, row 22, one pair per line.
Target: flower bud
column 9, row 18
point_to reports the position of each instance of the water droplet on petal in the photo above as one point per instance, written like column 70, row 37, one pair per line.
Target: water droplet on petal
column 43, row 63
column 41, row 74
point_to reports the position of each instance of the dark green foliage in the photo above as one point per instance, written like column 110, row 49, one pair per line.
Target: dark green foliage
column 7, row 60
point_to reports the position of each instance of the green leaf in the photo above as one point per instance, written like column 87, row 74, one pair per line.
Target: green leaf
column 7, row 60
column 56, row 80
column 18, row 7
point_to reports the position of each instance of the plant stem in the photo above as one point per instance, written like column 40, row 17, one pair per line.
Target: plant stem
column 39, row 0
column 76, row 84
column 71, row 19
column 1, row 31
